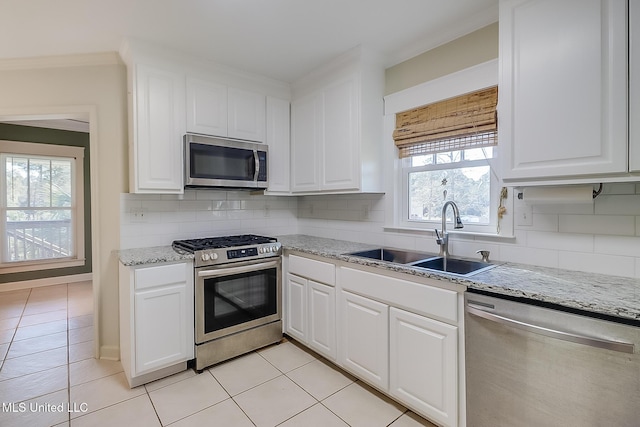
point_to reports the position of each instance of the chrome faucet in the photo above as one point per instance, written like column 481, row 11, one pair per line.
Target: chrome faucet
column 443, row 240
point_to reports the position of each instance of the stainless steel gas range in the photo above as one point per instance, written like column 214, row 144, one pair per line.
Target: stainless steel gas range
column 238, row 292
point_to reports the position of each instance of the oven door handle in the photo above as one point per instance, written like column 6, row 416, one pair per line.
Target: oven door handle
column 226, row 271
column 256, row 159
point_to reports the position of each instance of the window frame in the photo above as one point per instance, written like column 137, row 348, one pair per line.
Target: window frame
column 34, row 150
column 405, row 170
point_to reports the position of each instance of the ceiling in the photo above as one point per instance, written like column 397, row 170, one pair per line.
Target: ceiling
column 281, row 39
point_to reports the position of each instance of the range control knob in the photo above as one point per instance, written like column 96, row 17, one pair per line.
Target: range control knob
column 205, row 256
column 214, row 255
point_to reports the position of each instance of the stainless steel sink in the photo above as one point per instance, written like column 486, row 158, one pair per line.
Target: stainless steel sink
column 425, row 260
column 457, row 266
column 397, row 256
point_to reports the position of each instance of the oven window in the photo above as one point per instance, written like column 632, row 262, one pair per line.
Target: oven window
column 215, row 162
column 239, row 298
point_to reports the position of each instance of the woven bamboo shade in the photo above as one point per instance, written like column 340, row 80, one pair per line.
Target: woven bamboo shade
column 466, row 121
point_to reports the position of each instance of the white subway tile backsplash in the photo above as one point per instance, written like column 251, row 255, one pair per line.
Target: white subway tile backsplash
column 526, row 255
column 598, row 263
column 618, row 205
column 560, row 241
column 618, row 225
column 617, row 245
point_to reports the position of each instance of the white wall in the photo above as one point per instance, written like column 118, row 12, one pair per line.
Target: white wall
column 156, row 220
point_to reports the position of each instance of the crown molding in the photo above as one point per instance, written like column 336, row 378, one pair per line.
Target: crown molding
column 61, row 61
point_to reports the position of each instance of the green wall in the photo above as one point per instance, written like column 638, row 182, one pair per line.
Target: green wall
column 11, row 132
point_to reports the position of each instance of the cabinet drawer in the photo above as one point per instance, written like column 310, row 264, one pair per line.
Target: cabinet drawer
column 415, row 297
column 319, row 271
column 160, row 275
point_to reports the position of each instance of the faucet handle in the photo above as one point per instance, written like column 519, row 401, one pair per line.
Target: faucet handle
column 484, row 255
column 438, row 238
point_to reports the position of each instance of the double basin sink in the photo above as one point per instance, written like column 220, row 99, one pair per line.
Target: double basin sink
column 423, row 260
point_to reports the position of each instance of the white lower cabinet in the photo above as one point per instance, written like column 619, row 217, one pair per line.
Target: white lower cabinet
column 364, row 338
column 156, row 320
column 310, row 308
column 423, row 365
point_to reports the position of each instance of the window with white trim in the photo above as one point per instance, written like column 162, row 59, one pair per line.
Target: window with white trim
column 41, row 206
column 464, row 176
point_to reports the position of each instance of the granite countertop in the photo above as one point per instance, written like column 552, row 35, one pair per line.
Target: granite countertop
column 597, row 293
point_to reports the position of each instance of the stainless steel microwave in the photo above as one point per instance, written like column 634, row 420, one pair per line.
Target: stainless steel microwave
column 219, row 162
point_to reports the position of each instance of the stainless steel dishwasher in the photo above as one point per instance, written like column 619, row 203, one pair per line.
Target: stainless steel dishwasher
column 528, row 365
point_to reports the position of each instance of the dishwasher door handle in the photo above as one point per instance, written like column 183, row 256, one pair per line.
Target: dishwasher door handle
column 623, row 347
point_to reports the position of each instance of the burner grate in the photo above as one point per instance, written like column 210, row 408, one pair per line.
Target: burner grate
column 193, row 245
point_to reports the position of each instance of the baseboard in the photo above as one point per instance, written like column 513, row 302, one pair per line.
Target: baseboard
column 110, row 352
column 47, row 281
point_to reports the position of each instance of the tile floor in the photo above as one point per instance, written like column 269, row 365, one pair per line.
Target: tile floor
column 48, row 377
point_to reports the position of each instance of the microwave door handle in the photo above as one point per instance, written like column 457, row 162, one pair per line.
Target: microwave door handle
column 256, row 159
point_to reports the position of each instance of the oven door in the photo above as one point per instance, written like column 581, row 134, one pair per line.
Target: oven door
column 236, row 297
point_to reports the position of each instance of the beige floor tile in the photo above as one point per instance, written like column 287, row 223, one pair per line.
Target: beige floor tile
column 409, row 419
column 36, row 319
column 286, row 356
column 9, row 310
column 80, row 321
column 359, row 405
column 225, row 413
column 82, row 351
column 39, row 411
column 45, row 306
column 50, row 291
column 37, row 344
column 25, row 332
column 10, row 323
column 273, row 402
column 7, row 335
column 33, row 385
column 184, row 398
column 158, row 384
column 243, row 373
column 320, row 379
column 316, row 416
column 92, row 369
column 103, row 392
column 81, row 334
column 136, row 412
column 33, row 363
column 3, row 350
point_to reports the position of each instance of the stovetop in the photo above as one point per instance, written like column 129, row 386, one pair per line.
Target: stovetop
column 227, row 249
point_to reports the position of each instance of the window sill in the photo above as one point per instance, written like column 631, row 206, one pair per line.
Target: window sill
column 20, row 267
column 410, row 230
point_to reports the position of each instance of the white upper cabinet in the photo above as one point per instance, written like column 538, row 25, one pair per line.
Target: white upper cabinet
column 277, row 138
column 563, row 88
column 336, row 139
column 156, row 128
column 634, row 85
column 219, row 110
column 206, row 107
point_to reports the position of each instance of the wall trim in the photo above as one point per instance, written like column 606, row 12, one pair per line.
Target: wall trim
column 47, row 281
column 109, row 352
column 61, row 61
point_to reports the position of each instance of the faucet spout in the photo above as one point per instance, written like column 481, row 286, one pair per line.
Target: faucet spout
column 443, row 240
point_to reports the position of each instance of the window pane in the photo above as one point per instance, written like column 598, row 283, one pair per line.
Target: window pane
column 17, row 183
column 449, row 157
column 422, row 160
column 61, row 179
column 468, row 187
column 478, row 153
column 39, row 183
column 39, row 234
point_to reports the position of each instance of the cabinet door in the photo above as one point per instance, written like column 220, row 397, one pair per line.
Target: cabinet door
column 159, row 127
column 246, row 118
column 634, row 86
column 278, row 119
column 563, row 90
column 296, row 307
column 163, row 327
column 322, row 319
column 206, row 107
column 341, row 142
column 424, row 365
column 306, row 135
column 364, row 338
